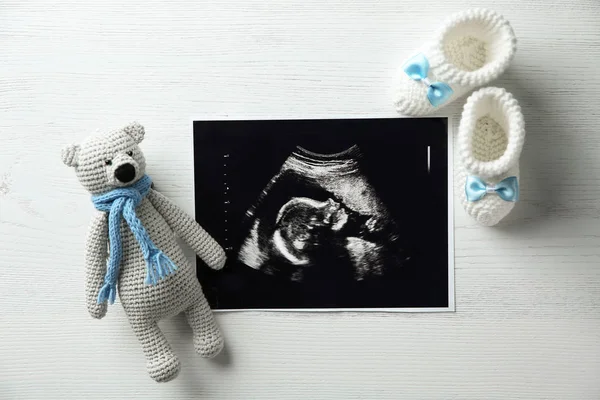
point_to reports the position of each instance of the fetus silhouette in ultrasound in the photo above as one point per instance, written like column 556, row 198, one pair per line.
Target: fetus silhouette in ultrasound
column 304, row 225
column 319, row 218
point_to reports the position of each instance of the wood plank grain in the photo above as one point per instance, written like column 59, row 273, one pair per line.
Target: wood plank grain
column 527, row 324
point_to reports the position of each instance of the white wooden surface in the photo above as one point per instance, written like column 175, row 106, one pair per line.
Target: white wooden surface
column 527, row 324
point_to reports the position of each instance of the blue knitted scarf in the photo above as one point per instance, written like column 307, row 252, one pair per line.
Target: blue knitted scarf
column 121, row 203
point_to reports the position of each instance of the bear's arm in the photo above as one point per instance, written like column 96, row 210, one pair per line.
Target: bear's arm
column 189, row 230
column 95, row 262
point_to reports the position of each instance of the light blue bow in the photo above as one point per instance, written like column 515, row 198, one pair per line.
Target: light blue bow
column 417, row 68
column 507, row 189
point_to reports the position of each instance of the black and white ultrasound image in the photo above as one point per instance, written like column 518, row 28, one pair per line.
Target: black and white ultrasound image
column 343, row 214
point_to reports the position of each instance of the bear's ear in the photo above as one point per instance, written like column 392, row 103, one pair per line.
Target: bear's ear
column 70, row 154
column 136, row 131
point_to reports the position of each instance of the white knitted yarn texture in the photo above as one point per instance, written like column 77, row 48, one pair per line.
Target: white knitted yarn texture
column 490, row 139
column 145, row 304
column 471, row 49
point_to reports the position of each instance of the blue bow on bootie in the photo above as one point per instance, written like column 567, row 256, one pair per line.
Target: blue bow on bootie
column 417, row 68
column 507, row 189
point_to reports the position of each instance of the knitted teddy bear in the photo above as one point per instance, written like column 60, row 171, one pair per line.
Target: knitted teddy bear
column 131, row 246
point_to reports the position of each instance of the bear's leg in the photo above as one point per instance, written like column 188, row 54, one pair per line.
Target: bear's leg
column 208, row 341
column 161, row 363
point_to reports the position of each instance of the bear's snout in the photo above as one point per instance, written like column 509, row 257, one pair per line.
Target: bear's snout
column 125, row 173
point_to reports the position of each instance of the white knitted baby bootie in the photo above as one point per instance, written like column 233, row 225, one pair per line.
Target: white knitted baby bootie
column 471, row 49
column 490, row 140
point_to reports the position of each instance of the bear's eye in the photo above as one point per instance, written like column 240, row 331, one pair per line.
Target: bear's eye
column 130, row 153
column 108, row 162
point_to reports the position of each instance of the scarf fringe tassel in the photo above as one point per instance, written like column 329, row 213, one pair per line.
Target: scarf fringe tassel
column 158, row 266
column 107, row 292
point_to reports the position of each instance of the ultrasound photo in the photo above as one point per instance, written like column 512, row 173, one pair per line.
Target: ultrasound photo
column 326, row 214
